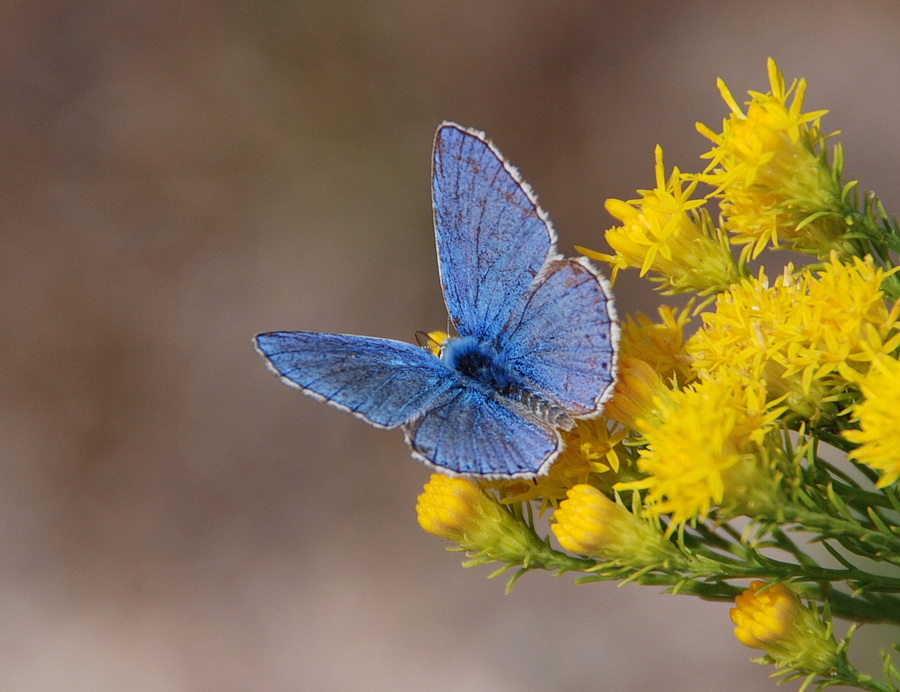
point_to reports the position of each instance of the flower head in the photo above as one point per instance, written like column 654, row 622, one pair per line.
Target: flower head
column 774, row 620
column 705, row 450
column 589, row 523
column 660, row 344
column 669, row 234
column 878, row 415
column 767, row 168
column 450, row 507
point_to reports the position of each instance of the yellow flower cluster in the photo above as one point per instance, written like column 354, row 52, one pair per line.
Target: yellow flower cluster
column 774, row 186
column 878, row 415
column 696, row 425
column 798, row 348
column 705, row 448
column 809, row 336
column 667, row 232
column 769, row 172
column 720, row 407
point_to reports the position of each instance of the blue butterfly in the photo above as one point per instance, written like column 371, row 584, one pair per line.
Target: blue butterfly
column 538, row 335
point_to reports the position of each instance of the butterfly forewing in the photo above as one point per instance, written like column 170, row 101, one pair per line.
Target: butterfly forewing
column 492, row 238
column 385, row 382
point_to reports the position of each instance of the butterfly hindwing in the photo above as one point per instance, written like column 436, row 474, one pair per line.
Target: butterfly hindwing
column 492, row 238
column 467, row 431
column 384, row 382
column 570, row 360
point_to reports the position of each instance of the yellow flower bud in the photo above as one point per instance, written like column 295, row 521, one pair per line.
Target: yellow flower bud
column 775, row 621
column 458, row 510
column 589, row 523
column 637, row 387
column 448, row 506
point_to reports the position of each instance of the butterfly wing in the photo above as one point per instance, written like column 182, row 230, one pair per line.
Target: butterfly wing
column 492, row 238
column 469, row 432
column 384, row 382
column 562, row 337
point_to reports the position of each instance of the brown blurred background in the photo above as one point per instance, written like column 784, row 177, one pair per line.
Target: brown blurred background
column 176, row 177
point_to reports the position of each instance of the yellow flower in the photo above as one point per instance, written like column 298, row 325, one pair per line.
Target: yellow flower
column 775, row 621
column 589, row 523
column 592, row 454
column 807, row 336
column 705, row 450
column 878, row 415
column 458, row 510
column 665, row 231
column 661, row 344
column 637, row 389
column 767, row 168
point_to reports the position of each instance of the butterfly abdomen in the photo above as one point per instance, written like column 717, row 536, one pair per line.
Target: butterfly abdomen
column 551, row 413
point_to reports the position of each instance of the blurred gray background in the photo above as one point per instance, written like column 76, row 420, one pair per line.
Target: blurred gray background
column 178, row 176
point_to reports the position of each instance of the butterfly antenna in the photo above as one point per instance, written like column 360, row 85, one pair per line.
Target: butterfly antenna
column 432, row 341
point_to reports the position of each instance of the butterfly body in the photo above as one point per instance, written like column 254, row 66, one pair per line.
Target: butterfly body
column 537, row 333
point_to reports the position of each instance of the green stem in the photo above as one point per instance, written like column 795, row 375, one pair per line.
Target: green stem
column 710, row 564
column 884, row 610
column 769, row 569
column 556, row 561
column 856, row 578
column 829, row 437
column 861, row 499
column 847, row 674
column 875, row 544
column 877, row 608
